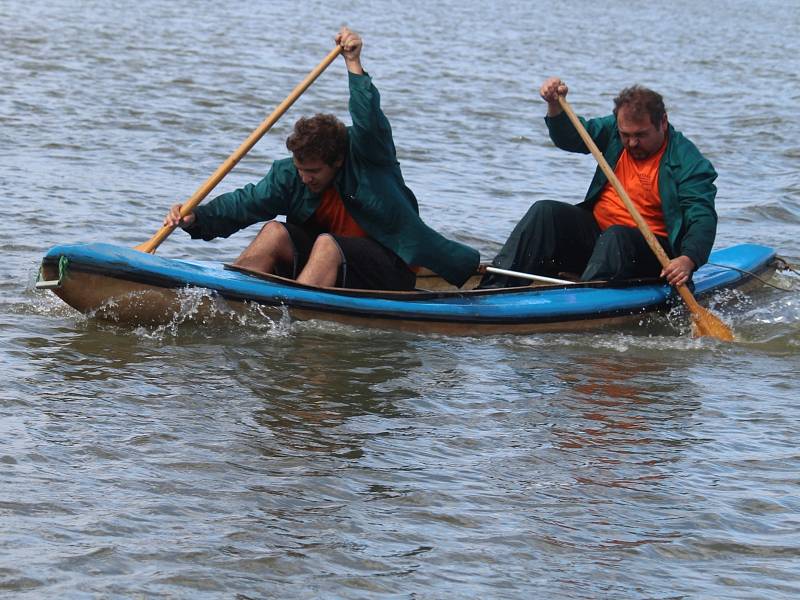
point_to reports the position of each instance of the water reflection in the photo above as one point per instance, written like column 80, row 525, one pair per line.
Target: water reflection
column 625, row 432
column 312, row 386
column 626, row 405
column 90, row 352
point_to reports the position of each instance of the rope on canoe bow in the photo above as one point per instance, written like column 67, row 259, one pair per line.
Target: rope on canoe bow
column 784, row 265
column 780, row 264
column 63, row 263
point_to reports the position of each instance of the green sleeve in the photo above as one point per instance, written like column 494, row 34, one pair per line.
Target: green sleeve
column 696, row 193
column 228, row 213
column 564, row 135
column 371, row 133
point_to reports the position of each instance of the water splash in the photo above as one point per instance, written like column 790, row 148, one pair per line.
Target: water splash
column 202, row 309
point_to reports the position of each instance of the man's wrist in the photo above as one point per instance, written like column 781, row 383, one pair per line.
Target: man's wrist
column 553, row 110
column 354, row 66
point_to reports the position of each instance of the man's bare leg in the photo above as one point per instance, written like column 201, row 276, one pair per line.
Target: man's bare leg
column 322, row 268
column 271, row 247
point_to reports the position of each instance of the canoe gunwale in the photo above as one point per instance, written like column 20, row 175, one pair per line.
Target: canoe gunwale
column 422, row 294
column 166, row 281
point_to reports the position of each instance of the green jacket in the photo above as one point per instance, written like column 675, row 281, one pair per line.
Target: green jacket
column 370, row 184
column 685, row 182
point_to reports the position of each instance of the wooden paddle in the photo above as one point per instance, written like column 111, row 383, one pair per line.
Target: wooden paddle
column 189, row 206
column 704, row 323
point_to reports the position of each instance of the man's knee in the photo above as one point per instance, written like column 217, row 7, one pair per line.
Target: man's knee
column 272, row 246
column 615, row 232
column 275, row 239
column 617, row 255
column 620, row 230
column 544, row 209
column 324, row 263
column 540, row 216
column 326, row 248
column 619, row 237
column 275, row 229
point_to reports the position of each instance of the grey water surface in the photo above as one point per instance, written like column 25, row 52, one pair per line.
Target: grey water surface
column 251, row 457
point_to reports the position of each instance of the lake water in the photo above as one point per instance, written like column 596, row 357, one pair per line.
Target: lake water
column 254, row 458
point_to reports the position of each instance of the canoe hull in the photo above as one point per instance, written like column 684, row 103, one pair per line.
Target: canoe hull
column 124, row 286
column 130, row 303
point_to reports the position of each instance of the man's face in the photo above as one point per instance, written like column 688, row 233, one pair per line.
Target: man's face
column 639, row 136
column 316, row 174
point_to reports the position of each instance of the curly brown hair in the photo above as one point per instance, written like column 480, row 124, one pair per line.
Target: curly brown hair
column 321, row 137
column 642, row 101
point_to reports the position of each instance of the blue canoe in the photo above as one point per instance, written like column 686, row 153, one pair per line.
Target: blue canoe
column 122, row 284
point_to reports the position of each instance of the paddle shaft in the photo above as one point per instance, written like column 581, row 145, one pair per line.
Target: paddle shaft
column 528, row 276
column 225, row 168
column 711, row 325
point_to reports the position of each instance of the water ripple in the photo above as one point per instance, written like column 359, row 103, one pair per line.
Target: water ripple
column 246, row 454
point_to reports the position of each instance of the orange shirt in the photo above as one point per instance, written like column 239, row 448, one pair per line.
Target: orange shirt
column 640, row 180
column 331, row 216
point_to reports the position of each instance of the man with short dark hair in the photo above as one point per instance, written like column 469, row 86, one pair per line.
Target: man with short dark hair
column 350, row 219
column 666, row 177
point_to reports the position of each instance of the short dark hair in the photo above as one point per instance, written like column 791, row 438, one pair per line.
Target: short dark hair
column 321, row 137
column 642, row 101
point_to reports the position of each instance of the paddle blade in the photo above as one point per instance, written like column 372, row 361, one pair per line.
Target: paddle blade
column 707, row 324
column 704, row 323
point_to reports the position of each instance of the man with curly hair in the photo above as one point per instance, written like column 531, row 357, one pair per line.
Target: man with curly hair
column 667, row 178
column 350, row 219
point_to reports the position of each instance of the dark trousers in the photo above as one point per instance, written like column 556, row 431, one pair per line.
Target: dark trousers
column 366, row 265
column 555, row 237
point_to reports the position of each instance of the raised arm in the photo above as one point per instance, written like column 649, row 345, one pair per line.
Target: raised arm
column 351, row 44
column 562, row 132
column 371, row 133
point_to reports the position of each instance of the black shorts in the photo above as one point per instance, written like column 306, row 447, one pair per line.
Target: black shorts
column 366, row 265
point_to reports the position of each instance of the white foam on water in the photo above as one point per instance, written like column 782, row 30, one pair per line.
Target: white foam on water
column 203, row 308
